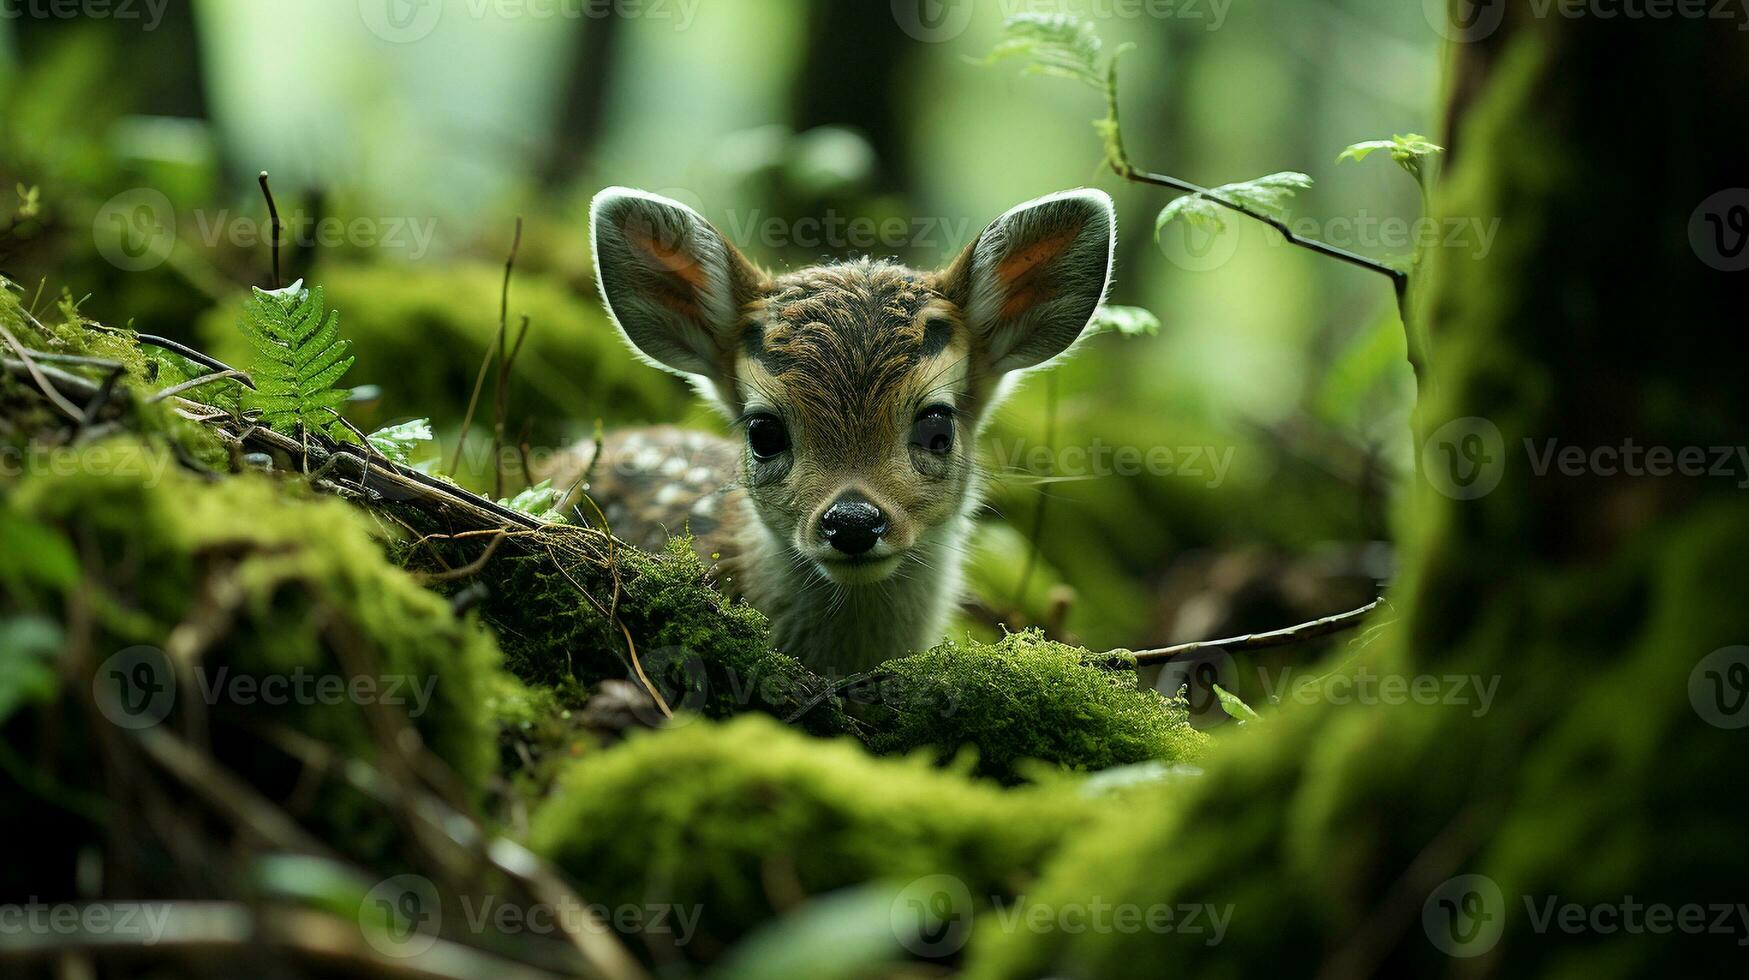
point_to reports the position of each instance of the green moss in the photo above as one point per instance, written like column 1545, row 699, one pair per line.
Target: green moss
column 64, row 331
column 1027, row 698
column 704, row 653
column 243, row 585
column 538, row 733
column 736, row 820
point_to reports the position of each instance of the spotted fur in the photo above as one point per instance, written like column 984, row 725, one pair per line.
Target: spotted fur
column 847, row 357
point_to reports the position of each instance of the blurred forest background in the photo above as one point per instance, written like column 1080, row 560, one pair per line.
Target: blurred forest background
column 404, row 138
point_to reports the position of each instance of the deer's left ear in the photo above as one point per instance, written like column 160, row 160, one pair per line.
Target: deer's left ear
column 1030, row 283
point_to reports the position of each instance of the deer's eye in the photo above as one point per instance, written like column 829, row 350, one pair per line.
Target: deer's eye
column 933, row 430
column 766, row 436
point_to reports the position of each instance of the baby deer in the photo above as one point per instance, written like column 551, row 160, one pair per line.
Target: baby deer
column 842, row 506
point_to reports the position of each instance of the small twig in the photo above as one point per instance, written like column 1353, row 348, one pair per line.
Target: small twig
column 104, row 393
column 191, row 383
column 273, row 213
column 1118, row 159
column 1261, row 641
column 471, row 568
column 507, row 355
column 37, row 374
column 206, row 929
column 461, row 439
column 199, row 357
column 1038, row 515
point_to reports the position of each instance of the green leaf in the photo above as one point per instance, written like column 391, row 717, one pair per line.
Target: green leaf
column 1194, row 208
column 1126, row 321
column 1056, row 44
column 534, row 501
column 397, row 441
column 1233, row 706
column 298, row 358
column 853, row 932
column 29, row 201
column 1266, row 195
column 27, row 675
column 1408, row 150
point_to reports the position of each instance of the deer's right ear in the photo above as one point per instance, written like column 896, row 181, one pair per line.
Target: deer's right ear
column 672, row 283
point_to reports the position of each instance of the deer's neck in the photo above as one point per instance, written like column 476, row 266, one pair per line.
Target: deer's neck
column 838, row 630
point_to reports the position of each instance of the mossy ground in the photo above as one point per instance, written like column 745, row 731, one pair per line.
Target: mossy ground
column 740, row 820
column 1025, row 699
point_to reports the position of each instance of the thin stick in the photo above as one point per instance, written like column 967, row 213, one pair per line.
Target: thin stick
column 1261, row 641
column 1118, row 158
column 49, row 391
column 158, row 396
column 1038, row 516
column 506, row 356
column 455, row 460
column 203, row 929
column 273, row 213
column 199, row 357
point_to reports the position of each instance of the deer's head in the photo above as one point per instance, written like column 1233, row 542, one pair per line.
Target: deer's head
column 857, row 388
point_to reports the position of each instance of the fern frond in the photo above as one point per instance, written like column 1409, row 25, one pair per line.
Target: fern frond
column 298, row 358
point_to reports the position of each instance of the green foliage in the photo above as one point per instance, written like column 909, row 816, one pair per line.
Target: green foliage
column 1027, row 698
column 731, row 819
column 1062, row 45
column 397, row 441
column 1409, row 151
column 1236, row 706
column 297, row 360
column 1268, row 195
column 29, row 202
column 1126, row 321
column 27, row 673
column 536, row 501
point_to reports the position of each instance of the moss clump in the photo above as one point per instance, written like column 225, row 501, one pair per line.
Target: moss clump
column 736, row 820
column 703, row 653
column 1027, row 698
column 64, row 331
column 538, row 734
column 273, row 611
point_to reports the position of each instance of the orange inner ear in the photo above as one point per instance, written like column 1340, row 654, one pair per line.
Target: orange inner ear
column 1021, row 273
column 669, row 257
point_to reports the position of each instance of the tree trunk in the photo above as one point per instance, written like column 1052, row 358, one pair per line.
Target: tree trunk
column 1598, row 601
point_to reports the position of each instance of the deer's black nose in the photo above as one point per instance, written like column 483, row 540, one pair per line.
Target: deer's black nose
column 852, row 524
